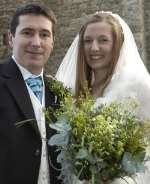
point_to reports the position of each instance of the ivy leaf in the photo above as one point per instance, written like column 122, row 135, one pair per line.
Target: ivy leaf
column 59, row 139
column 83, row 153
column 133, row 164
column 61, row 125
column 62, row 137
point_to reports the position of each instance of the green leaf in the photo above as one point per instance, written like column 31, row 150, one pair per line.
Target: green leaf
column 133, row 164
column 61, row 125
column 83, row 153
column 59, row 139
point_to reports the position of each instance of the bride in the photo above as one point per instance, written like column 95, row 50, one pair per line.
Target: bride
column 104, row 54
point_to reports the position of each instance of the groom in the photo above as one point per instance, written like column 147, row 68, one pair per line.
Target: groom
column 25, row 157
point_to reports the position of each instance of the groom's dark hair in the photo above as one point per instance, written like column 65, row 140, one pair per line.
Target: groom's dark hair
column 32, row 9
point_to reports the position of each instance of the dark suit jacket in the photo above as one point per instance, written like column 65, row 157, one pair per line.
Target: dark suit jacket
column 20, row 147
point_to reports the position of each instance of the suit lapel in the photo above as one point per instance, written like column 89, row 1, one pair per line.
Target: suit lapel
column 17, row 87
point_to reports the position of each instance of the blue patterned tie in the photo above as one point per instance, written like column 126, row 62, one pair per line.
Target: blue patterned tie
column 36, row 84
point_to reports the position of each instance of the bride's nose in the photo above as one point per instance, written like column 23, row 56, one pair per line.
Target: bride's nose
column 94, row 46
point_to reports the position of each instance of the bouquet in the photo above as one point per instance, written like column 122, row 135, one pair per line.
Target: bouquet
column 98, row 144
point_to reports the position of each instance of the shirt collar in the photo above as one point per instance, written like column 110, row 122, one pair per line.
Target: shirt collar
column 25, row 73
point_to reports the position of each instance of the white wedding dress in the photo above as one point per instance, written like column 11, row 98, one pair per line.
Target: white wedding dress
column 130, row 79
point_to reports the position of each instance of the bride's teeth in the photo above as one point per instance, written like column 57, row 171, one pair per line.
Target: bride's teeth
column 95, row 57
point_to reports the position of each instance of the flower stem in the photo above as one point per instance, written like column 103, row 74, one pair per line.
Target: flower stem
column 93, row 178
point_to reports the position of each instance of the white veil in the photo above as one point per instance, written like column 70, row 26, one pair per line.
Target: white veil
column 67, row 70
column 130, row 77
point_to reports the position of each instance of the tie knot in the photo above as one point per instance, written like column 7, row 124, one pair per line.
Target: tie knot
column 36, row 85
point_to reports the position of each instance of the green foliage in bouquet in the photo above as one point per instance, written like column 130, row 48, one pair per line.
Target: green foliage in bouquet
column 60, row 92
column 99, row 143
column 57, row 88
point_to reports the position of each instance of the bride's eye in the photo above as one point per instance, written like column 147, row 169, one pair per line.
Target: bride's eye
column 102, row 40
column 87, row 41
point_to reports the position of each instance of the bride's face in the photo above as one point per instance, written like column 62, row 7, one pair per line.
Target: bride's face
column 98, row 45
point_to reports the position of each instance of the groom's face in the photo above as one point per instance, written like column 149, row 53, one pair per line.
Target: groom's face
column 32, row 42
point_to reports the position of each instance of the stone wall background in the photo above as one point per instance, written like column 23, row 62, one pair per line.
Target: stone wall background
column 71, row 14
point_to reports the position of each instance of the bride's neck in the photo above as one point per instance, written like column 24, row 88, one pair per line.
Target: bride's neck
column 100, row 78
